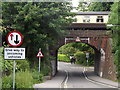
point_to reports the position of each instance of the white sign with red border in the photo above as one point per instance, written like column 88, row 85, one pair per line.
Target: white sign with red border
column 40, row 54
column 14, row 38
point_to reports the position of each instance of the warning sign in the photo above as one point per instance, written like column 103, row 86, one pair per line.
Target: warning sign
column 14, row 53
column 39, row 54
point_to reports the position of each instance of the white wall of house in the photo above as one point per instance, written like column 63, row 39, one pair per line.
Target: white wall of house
column 90, row 18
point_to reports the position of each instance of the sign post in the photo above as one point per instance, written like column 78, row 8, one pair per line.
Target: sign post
column 39, row 55
column 14, row 66
column 14, row 54
column 39, row 60
column 87, row 56
column 14, row 39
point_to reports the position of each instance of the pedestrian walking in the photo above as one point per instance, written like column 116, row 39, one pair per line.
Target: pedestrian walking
column 71, row 59
column 74, row 59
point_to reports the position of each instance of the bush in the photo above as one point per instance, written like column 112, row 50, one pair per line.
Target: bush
column 62, row 57
column 24, row 79
column 91, row 59
column 80, row 57
column 7, row 66
column 37, row 76
column 46, row 70
column 117, row 63
column 7, row 81
column 22, row 65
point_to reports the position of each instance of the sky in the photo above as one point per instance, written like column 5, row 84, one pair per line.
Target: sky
column 75, row 4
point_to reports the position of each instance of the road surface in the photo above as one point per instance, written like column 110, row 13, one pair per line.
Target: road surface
column 71, row 76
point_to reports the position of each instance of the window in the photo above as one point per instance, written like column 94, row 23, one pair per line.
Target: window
column 86, row 19
column 99, row 19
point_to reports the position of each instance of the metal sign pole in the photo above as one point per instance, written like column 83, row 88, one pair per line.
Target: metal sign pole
column 87, row 56
column 87, row 61
column 39, row 60
column 14, row 66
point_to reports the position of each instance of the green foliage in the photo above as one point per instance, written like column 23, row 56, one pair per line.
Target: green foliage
column 46, row 70
column 7, row 66
column 78, row 50
column 1, row 59
column 67, row 50
column 100, row 6
column 37, row 76
column 83, row 6
column 115, row 20
column 24, row 79
column 91, row 59
column 80, row 57
column 114, row 16
column 40, row 23
column 63, row 57
column 22, row 65
column 7, row 81
column 71, row 48
column 70, row 51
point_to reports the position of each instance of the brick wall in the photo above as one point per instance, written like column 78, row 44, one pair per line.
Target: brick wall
column 104, row 65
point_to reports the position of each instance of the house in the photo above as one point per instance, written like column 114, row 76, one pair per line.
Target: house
column 90, row 20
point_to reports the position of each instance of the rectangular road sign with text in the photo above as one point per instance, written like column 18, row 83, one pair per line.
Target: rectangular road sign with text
column 14, row 53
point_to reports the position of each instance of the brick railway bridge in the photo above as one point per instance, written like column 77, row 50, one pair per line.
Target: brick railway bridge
column 95, row 35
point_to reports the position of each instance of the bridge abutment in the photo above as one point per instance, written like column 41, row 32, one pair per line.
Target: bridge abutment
column 104, row 64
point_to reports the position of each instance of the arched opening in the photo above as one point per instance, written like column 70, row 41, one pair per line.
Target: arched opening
column 85, row 54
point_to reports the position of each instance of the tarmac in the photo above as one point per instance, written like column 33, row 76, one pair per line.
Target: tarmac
column 92, row 76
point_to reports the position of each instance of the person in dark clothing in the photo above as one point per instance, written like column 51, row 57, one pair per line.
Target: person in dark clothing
column 72, row 59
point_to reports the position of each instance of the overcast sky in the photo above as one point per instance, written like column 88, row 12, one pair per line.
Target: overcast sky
column 75, row 3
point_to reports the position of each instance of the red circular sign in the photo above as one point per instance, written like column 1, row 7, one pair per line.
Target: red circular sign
column 14, row 38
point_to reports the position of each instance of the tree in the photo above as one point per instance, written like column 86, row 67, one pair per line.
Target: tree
column 78, row 50
column 115, row 20
column 40, row 23
column 100, row 6
column 83, row 6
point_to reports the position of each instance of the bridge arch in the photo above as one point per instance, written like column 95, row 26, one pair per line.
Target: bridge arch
column 97, row 54
column 100, row 42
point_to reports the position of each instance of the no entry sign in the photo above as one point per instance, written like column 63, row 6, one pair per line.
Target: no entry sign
column 14, row 39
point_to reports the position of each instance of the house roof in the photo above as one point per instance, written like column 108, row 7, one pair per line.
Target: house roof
column 93, row 13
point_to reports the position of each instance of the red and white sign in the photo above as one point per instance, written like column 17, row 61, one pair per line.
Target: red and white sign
column 14, row 39
column 40, row 54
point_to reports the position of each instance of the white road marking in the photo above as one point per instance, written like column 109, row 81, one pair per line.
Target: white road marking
column 64, row 83
column 96, row 81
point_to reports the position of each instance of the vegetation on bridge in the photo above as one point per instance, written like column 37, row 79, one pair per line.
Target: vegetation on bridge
column 115, row 20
